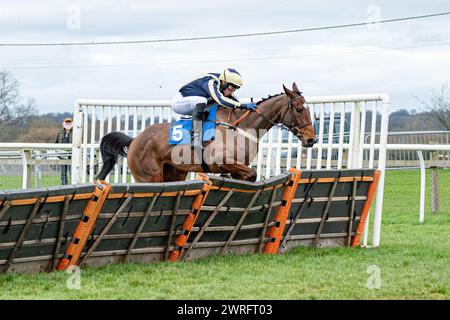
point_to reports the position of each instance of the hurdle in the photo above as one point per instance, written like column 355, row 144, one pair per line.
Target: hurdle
column 96, row 224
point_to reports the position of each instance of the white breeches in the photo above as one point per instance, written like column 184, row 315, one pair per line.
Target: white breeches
column 186, row 105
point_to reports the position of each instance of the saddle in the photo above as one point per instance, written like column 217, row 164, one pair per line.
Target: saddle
column 180, row 131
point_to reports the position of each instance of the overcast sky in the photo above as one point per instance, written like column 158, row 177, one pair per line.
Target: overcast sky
column 404, row 59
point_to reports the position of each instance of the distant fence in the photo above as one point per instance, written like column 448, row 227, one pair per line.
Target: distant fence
column 26, row 165
column 410, row 158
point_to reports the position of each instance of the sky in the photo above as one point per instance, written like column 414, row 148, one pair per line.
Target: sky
column 406, row 59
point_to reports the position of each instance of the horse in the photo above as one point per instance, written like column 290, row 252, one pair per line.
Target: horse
column 152, row 159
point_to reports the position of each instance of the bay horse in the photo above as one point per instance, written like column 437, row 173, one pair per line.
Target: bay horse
column 151, row 158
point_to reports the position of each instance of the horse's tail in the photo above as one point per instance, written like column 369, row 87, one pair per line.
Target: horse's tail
column 113, row 145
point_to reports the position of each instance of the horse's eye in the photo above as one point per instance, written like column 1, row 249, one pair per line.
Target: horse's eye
column 299, row 110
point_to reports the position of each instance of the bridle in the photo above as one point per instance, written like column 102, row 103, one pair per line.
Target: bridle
column 293, row 128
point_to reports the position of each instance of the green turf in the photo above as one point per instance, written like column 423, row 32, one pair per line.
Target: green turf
column 413, row 259
column 15, row 181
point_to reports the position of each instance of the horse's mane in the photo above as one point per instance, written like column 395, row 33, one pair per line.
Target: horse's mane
column 269, row 97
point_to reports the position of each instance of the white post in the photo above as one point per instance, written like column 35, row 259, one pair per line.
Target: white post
column 320, row 142
column 341, row 137
column 125, row 160
column 92, row 149
column 269, row 153
column 25, row 179
column 362, row 125
column 278, row 158
column 259, row 159
column 76, row 144
column 289, row 151
column 330, row 137
column 381, row 166
column 366, row 230
column 422, row 187
column 355, row 137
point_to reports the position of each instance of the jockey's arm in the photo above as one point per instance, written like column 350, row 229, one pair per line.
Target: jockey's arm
column 212, row 87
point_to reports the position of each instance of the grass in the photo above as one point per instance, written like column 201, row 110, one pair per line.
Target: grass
column 413, row 259
column 49, row 180
column 15, row 181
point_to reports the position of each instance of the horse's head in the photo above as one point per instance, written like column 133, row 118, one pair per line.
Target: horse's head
column 297, row 117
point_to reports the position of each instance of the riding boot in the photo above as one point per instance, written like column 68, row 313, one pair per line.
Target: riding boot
column 197, row 126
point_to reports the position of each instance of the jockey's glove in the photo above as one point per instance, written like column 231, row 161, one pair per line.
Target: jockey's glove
column 248, row 106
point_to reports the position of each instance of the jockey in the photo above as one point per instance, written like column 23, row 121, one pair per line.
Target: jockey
column 193, row 98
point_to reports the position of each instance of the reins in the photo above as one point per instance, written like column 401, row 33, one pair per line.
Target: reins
column 245, row 115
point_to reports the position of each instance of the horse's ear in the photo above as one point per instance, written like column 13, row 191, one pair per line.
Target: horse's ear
column 287, row 91
column 295, row 88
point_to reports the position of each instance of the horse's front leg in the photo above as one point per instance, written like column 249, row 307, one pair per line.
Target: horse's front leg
column 240, row 171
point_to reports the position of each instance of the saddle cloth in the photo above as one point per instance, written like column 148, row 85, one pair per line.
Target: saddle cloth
column 180, row 131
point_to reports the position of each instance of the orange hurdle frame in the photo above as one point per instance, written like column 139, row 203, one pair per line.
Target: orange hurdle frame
column 275, row 232
column 356, row 241
column 188, row 224
column 84, row 228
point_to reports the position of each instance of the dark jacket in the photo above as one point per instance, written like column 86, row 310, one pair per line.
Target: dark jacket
column 208, row 86
column 64, row 136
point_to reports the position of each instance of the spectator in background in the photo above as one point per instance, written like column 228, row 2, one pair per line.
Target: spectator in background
column 65, row 136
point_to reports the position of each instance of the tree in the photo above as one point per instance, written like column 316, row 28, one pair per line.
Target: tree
column 40, row 129
column 39, row 135
column 438, row 107
column 14, row 113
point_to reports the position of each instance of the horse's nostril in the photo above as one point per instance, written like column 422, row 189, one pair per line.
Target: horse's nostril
column 311, row 142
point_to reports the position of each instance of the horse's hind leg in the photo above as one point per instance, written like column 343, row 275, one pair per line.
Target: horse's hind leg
column 156, row 176
column 171, row 174
column 150, row 171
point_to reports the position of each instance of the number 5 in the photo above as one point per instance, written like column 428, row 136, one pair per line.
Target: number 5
column 177, row 134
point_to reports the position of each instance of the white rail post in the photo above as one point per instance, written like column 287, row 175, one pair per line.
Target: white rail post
column 434, row 184
column 355, row 143
column 76, row 144
column 366, row 231
column 381, row 166
column 26, row 168
column 422, row 187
